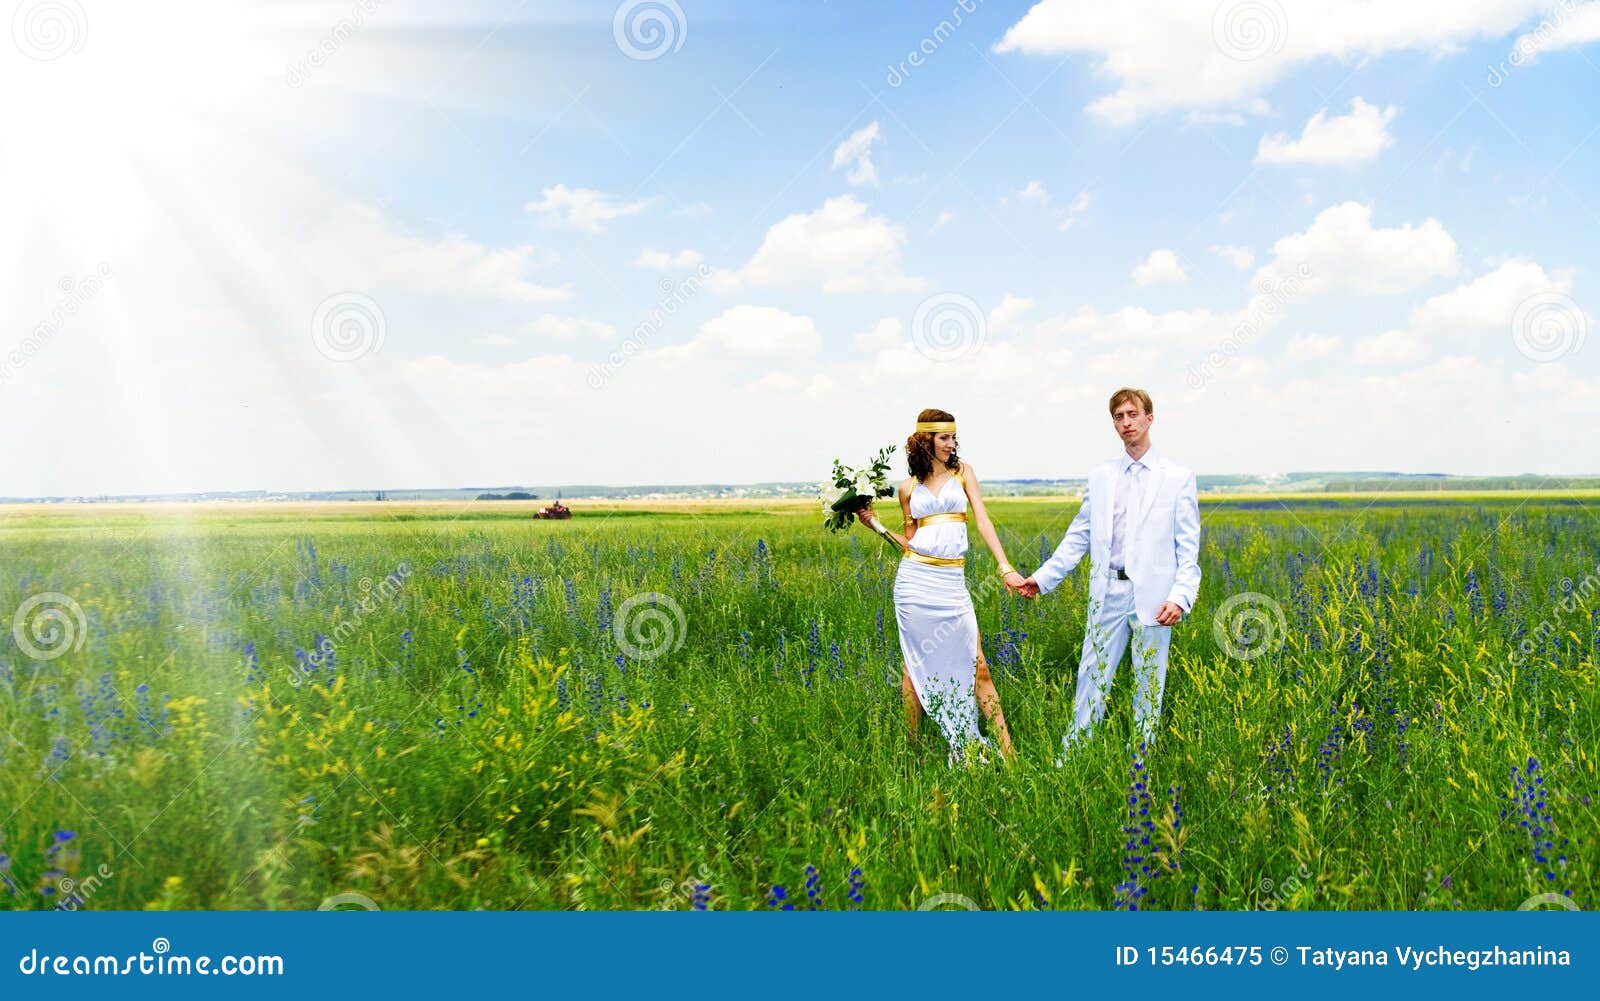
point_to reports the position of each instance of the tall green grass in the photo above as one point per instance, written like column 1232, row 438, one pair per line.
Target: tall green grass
column 486, row 723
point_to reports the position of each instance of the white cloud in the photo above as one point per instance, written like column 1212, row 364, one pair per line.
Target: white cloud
column 1309, row 347
column 1160, row 267
column 568, row 327
column 758, row 331
column 944, row 218
column 1393, row 347
column 359, row 247
column 1004, row 316
column 1239, row 257
column 1485, row 305
column 1165, row 54
column 1489, row 302
column 856, row 153
column 1341, row 250
column 1033, row 193
column 1354, row 138
column 583, row 208
column 1197, row 329
column 495, row 340
column 661, row 260
column 1566, row 25
column 885, row 335
column 840, row 247
column 1079, row 205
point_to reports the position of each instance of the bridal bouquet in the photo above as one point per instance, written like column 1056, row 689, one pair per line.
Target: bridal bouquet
column 850, row 490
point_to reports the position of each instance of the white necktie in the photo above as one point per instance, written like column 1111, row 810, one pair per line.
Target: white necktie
column 1130, row 509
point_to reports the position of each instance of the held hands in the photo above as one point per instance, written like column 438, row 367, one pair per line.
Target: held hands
column 1017, row 584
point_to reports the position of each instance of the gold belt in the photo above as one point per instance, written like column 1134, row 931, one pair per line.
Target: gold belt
column 939, row 519
column 936, row 561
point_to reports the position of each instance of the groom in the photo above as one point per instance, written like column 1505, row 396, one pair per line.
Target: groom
column 1140, row 525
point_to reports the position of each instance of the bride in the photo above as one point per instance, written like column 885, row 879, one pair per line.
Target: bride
column 945, row 675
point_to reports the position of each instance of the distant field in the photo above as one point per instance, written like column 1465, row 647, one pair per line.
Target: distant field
column 687, row 704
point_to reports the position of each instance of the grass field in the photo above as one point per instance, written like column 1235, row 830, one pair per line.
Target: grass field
column 1379, row 702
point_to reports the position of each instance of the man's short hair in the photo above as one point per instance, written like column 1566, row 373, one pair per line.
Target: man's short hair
column 1127, row 393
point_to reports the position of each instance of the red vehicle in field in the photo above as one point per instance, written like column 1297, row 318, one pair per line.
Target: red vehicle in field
column 556, row 510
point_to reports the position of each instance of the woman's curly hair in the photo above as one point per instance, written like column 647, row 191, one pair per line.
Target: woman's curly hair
column 919, row 447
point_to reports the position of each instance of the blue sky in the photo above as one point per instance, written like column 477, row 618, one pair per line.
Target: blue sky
column 372, row 243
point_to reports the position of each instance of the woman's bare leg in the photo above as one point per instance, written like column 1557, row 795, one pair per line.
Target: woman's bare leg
column 989, row 703
column 908, row 695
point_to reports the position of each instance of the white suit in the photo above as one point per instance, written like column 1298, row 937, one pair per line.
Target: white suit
column 1159, row 545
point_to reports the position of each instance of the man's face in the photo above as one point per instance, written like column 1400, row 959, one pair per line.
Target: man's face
column 1131, row 422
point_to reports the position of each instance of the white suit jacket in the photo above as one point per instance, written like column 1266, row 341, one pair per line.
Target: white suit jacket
column 1163, row 544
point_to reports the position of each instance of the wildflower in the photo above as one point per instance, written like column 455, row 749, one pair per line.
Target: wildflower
column 778, row 899
column 814, row 888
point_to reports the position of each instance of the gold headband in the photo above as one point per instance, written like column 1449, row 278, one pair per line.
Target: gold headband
column 935, row 427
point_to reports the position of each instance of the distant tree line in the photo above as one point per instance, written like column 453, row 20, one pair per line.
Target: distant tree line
column 513, row 495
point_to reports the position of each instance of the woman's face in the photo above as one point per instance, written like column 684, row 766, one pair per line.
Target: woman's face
column 944, row 445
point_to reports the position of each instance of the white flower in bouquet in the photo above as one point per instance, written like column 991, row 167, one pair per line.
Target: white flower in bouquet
column 850, row 490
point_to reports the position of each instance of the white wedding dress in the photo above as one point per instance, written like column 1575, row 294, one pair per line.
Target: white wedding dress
column 938, row 627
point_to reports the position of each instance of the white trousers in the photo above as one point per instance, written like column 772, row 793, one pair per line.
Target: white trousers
column 1111, row 626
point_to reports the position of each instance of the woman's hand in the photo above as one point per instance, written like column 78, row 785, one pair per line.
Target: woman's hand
column 866, row 516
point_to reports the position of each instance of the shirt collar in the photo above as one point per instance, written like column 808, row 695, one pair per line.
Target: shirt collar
column 1148, row 460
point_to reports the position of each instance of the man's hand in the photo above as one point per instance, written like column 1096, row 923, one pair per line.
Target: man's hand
column 1028, row 588
column 1171, row 614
